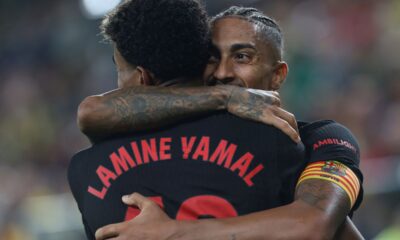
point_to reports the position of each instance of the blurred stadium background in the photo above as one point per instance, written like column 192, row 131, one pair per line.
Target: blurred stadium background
column 344, row 58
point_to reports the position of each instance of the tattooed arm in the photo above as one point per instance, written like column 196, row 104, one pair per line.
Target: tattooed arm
column 318, row 211
column 143, row 108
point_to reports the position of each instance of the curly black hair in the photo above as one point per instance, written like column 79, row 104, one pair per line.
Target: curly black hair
column 167, row 37
column 269, row 27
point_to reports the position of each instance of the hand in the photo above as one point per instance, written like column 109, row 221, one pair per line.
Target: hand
column 151, row 224
column 263, row 106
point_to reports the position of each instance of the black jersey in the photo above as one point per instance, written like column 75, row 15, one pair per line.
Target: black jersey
column 216, row 166
column 328, row 140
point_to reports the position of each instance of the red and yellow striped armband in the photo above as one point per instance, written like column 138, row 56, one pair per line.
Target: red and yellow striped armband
column 335, row 172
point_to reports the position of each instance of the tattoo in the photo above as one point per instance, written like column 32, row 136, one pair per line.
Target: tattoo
column 143, row 108
column 313, row 193
column 233, row 237
column 122, row 110
column 250, row 104
column 252, row 108
column 325, row 196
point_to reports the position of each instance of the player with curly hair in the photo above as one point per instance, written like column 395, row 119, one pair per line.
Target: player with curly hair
column 135, row 162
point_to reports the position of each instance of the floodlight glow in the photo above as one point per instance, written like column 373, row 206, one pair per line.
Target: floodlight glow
column 97, row 8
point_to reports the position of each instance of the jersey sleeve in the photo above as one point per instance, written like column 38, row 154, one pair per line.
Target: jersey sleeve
column 330, row 141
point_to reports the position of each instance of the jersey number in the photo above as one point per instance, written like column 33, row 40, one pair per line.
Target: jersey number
column 202, row 206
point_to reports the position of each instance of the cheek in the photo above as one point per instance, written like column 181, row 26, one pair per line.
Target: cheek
column 255, row 78
column 248, row 75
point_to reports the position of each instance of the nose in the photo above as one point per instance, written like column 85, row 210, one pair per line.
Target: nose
column 223, row 73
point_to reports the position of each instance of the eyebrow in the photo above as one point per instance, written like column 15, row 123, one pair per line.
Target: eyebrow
column 239, row 46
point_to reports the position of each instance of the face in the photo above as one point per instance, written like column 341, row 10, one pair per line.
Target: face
column 127, row 74
column 241, row 57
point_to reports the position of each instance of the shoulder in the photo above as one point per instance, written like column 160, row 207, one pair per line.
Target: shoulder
column 328, row 140
column 225, row 119
column 77, row 170
column 309, row 128
column 224, row 123
column 78, row 160
column 328, row 133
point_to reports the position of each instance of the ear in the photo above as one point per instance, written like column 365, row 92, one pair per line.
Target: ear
column 279, row 75
column 146, row 77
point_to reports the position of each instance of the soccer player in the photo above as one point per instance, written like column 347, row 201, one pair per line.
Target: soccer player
column 199, row 168
column 303, row 212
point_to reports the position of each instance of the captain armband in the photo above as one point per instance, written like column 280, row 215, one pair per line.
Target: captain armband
column 335, row 172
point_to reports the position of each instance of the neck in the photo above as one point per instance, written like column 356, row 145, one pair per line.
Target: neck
column 182, row 82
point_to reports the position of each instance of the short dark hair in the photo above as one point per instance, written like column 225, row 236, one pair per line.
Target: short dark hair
column 168, row 37
column 269, row 27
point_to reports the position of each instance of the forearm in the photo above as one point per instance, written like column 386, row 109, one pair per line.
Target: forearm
column 143, row 108
column 146, row 108
column 269, row 224
column 316, row 213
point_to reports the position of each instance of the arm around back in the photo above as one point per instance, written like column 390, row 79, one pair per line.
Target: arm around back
column 94, row 117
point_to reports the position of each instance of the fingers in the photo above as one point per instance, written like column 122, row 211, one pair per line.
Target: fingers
column 275, row 93
column 268, row 97
column 273, row 100
column 284, row 126
column 287, row 116
column 108, row 231
column 137, row 199
column 287, row 129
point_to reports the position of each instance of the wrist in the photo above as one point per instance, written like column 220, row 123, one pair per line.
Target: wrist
column 216, row 229
column 225, row 93
column 181, row 229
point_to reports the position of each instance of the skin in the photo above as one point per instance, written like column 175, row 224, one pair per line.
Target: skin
column 320, row 207
column 128, row 75
column 260, row 225
column 136, row 106
column 240, row 56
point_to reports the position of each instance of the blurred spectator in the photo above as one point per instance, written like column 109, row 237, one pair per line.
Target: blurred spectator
column 392, row 232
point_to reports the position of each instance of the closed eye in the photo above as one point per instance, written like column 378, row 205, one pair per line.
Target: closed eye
column 213, row 59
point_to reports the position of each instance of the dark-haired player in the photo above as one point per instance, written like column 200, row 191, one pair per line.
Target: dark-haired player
column 199, row 168
column 264, row 217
